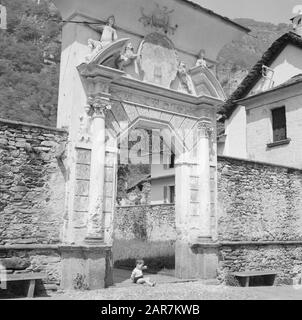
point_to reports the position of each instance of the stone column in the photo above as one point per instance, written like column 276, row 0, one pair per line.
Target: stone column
column 205, row 130
column 95, row 228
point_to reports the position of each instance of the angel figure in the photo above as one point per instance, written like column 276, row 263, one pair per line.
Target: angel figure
column 85, row 125
column 127, row 57
column 201, row 59
column 184, row 78
column 108, row 36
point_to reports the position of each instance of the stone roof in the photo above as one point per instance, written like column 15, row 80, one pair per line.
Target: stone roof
column 294, row 80
column 255, row 74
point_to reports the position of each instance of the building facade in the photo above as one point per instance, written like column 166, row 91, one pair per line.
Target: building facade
column 263, row 116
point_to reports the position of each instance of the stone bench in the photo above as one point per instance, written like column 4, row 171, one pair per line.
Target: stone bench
column 30, row 277
column 245, row 277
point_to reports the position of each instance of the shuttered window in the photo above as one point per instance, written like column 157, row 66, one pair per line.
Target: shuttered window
column 279, row 124
column 172, row 161
column 165, row 194
column 172, row 194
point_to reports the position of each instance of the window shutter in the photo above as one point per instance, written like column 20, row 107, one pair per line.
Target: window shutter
column 279, row 124
column 165, row 194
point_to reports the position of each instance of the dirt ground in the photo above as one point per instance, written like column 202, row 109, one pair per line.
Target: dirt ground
column 170, row 288
column 185, row 291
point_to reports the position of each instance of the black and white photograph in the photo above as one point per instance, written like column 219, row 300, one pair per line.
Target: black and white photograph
column 150, row 150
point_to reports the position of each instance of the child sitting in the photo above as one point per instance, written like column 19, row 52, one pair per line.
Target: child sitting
column 137, row 274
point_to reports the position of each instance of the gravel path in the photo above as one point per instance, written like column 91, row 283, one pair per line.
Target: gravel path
column 184, row 291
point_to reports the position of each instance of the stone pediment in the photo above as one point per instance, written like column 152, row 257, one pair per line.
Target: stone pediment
column 110, row 54
column 205, row 83
column 157, row 63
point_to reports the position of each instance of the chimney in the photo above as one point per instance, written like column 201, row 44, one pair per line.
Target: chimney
column 297, row 20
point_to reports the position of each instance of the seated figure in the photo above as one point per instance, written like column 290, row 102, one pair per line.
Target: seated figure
column 201, row 59
column 108, row 36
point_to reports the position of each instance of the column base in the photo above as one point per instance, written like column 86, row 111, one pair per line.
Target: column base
column 86, row 267
column 198, row 261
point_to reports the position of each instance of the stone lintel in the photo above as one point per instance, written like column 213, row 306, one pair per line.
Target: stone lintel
column 32, row 125
column 29, row 247
column 85, row 248
column 206, row 244
column 260, row 243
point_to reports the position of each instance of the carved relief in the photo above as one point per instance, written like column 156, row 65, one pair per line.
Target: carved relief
column 183, row 81
column 85, row 125
column 201, row 59
column 127, row 57
column 99, row 106
column 158, row 60
column 159, row 19
column 108, row 35
column 205, row 128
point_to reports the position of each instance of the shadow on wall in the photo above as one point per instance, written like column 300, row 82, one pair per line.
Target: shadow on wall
column 157, row 255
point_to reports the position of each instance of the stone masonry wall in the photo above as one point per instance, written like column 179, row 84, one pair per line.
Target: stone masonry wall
column 146, row 231
column 32, row 190
column 32, row 184
column 259, row 218
column 258, row 202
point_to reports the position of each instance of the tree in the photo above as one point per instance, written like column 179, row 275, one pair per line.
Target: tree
column 28, row 82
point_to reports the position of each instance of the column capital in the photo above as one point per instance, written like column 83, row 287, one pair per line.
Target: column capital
column 205, row 127
column 99, row 106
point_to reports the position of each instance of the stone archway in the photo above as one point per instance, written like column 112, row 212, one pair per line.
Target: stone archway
column 115, row 104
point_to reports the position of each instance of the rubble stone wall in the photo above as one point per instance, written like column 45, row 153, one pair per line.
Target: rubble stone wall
column 32, row 198
column 32, row 184
column 259, row 218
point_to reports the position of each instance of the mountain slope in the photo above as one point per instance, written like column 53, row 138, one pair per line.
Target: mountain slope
column 30, row 59
column 29, row 62
column 236, row 58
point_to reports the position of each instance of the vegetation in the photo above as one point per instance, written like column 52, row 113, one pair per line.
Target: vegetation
column 236, row 58
column 30, row 58
column 29, row 62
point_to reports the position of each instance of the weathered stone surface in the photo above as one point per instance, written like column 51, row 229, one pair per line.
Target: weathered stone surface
column 32, row 185
column 259, row 202
column 15, row 263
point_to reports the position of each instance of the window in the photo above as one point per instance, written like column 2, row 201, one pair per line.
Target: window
column 172, row 194
column 279, row 124
column 169, row 194
column 172, row 161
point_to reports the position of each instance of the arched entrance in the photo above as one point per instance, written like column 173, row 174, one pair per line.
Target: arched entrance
column 115, row 106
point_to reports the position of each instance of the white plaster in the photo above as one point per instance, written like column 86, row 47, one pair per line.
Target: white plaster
column 235, row 131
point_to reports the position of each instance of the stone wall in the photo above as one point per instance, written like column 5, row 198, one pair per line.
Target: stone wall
column 32, row 184
column 258, row 201
column 146, row 231
column 34, row 258
column 32, row 191
column 259, row 223
column 259, row 218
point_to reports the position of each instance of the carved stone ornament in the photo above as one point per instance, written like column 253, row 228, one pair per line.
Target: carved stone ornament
column 107, row 35
column 127, row 57
column 158, row 60
column 205, row 128
column 186, row 84
column 85, row 125
column 159, row 19
column 99, row 106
